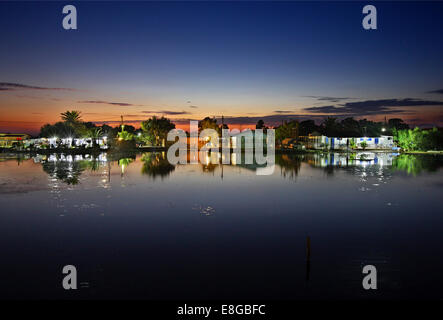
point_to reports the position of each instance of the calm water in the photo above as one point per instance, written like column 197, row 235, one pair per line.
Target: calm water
column 138, row 227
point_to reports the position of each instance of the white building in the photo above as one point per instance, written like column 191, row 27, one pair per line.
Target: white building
column 52, row 143
column 334, row 143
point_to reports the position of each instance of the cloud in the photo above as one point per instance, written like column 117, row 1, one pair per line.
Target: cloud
column 193, row 107
column 373, row 107
column 330, row 99
column 167, row 112
column 9, row 86
column 440, row 91
column 283, row 111
column 121, row 104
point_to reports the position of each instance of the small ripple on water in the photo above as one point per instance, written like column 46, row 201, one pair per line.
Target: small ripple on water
column 204, row 210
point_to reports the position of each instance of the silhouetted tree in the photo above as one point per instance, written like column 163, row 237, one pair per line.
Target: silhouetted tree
column 155, row 130
column 260, row 124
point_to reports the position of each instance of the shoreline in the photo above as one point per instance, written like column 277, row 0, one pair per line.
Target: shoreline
column 95, row 151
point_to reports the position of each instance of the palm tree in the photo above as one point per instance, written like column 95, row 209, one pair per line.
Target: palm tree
column 95, row 134
column 71, row 117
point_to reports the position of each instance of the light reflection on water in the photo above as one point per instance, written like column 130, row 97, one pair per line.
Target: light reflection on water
column 220, row 230
column 69, row 168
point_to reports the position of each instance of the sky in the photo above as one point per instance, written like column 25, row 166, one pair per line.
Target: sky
column 242, row 60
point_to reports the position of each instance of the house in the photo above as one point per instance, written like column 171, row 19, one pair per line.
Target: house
column 9, row 140
column 344, row 143
column 65, row 143
column 292, row 143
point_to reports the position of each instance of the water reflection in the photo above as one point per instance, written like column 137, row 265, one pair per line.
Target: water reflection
column 69, row 168
column 364, row 206
column 416, row 164
column 156, row 165
column 289, row 164
column 123, row 163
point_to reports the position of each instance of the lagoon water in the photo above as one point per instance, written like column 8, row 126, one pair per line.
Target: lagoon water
column 138, row 227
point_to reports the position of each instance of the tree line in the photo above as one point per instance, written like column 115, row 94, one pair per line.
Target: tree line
column 154, row 130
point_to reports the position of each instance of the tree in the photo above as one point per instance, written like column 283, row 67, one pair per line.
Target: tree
column 260, row 124
column 330, row 127
column 307, row 127
column 95, row 134
column 352, row 143
column 71, row 117
column 287, row 130
column 397, row 124
column 73, row 120
column 156, row 129
column 59, row 130
column 363, row 144
column 418, row 139
column 125, row 135
column 350, row 128
column 208, row 123
column 107, row 131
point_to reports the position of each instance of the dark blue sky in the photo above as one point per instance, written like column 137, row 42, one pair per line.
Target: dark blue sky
column 233, row 58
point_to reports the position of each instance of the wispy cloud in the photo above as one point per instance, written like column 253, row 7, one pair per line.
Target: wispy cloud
column 166, row 112
column 282, row 111
column 373, row 107
column 329, row 99
column 9, row 86
column 440, row 91
column 121, row 104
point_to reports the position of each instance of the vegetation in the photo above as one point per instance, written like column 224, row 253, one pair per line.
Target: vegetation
column 352, row 143
column 95, row 133
column 72, row 126
column 419, row 139
column 209, row 123
column 363, row 145
column 286, row 130
column 260, row 125
column 125, row 135
column 348, row 127
column 155, row 130
column 72, row 118
column 156, row 164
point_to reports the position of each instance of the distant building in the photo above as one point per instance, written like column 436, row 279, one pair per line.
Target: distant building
column 335, row 143
column 292, row 143
column 25, row 142
column 9, row 140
